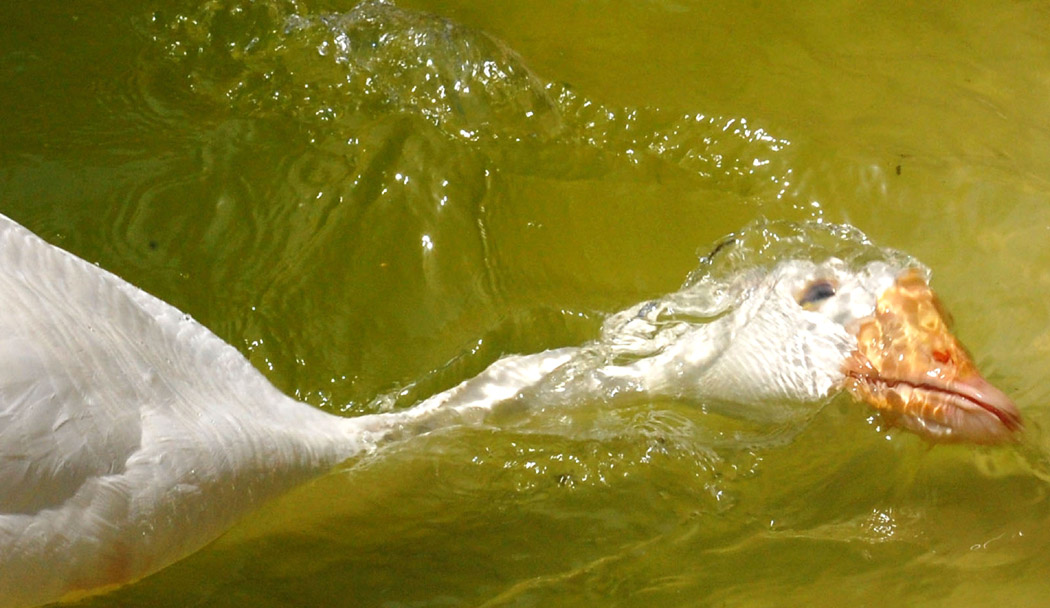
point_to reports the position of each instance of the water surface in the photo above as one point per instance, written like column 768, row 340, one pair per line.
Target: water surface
column 377, row 197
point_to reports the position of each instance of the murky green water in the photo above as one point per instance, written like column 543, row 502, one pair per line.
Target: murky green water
column 364, row 199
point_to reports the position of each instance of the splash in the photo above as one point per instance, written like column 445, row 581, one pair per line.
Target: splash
column 335, row 74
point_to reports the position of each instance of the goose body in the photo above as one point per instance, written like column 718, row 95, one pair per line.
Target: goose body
column 123, row 419
column 131, row 436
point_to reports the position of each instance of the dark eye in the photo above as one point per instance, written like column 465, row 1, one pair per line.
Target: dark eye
column 815, row 293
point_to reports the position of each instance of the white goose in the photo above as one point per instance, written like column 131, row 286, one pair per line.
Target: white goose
column 131, row 436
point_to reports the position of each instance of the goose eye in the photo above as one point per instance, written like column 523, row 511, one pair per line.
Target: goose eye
column 815, row 293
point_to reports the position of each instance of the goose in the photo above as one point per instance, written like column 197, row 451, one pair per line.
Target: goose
column 132, row 436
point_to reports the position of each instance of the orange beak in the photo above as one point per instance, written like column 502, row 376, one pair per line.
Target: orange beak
column 910, row 366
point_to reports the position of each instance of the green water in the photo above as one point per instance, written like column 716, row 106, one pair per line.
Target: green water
column 368, row 200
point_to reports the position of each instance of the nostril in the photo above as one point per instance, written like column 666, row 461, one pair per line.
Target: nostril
column 942, row 356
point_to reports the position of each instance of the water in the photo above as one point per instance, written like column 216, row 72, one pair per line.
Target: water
column 358, row 220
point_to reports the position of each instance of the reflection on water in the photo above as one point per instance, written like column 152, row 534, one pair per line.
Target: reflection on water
column 369, row 198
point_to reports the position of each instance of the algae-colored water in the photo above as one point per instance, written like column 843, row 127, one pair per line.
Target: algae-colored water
column 377, row 197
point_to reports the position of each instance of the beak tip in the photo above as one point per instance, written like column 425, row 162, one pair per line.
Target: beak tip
column 1000, row 412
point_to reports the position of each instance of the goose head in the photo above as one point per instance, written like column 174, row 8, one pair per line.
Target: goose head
column 902, row 356
column 795, row 313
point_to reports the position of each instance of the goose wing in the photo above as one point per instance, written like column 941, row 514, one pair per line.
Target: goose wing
column 57, row 428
